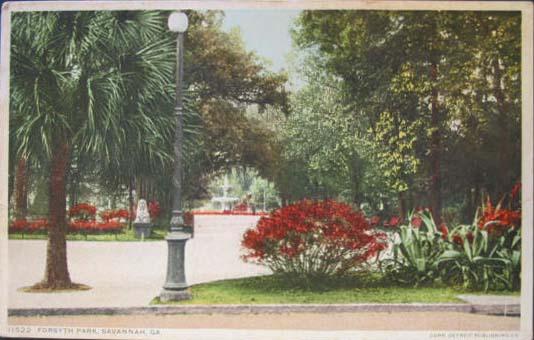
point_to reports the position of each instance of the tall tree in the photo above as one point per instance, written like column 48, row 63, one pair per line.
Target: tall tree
column 436, row 68
column 79, row 81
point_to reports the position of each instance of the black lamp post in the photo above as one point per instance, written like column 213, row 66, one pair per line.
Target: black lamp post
column 175, row 287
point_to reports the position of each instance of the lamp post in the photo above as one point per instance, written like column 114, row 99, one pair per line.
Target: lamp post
column 175, row 287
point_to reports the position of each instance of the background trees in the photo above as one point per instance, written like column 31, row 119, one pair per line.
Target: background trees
column 429, row 87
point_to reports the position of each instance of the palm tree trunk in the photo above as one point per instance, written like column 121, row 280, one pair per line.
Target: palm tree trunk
column 21, row 188
column 56, row 272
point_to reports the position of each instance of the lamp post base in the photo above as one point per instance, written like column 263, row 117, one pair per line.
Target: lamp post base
column 175, row 287
column 167, row 295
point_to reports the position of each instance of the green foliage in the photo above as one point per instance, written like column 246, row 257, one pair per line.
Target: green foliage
column 394, row 144
column 416, row 252
column 383, row 62
column 477, row 261
column 104, row 82
column 465, row 255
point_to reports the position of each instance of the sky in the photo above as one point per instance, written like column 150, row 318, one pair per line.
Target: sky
column 264, row 31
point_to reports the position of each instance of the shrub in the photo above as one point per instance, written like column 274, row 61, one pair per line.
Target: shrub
column 25, row 226
column 83, row 211
column 109, row 215
column 487, row 254
column 416, row 250
column 313, row 239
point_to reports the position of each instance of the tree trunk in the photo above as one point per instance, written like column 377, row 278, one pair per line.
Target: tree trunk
column 402, row 206
column 73, row 189
column 21, row 188
column 130, row 201
column 435, row 149
column 504, row 154
column 56, row 272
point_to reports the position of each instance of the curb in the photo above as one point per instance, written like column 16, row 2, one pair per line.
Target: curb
column 510, row 310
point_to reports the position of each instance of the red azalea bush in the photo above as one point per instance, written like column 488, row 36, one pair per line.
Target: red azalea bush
column 83, row 211
column 229, row 212
column 313, row 238
column 83, row 220
column 93, row 227
column 109, row 215
column 109, row 227
column 24, row 226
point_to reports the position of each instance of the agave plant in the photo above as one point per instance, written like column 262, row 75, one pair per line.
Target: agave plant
column 476, row 261
column 416, row 251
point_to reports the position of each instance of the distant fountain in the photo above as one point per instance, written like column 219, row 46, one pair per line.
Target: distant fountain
column 225, row 201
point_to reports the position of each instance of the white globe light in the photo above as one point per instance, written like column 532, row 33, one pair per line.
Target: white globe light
column 178, row 22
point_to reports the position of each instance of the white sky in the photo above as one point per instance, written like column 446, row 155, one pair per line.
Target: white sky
column 264, row 31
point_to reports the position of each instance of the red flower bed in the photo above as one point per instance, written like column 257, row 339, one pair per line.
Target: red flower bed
column 229, row 212
column 241, row 207
column 497, row 220
column 313, row 238
column 82, row 209
column 93, row 227
column 115, row 214
column 25, row 226
column 83, row 220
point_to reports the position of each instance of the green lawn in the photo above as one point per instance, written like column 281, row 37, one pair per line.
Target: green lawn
column 127, row 235
column 274, row 290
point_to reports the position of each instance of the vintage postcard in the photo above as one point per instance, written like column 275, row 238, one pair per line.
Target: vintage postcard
column 266, row 169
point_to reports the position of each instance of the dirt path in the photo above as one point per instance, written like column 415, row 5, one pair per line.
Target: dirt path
column 413, row 321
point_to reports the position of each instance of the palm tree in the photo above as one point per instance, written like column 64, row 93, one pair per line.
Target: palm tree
column 95, row 85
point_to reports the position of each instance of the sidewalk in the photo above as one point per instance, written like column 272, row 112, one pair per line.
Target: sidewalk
column 414, row 321
column 126, row 274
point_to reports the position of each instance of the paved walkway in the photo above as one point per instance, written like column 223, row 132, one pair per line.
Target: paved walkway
column 124, row 274
column 411, row 321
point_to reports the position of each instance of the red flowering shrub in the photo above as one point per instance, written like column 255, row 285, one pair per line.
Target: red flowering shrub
column 92, row 227
column 312, row 238
column 25, row 226
column 497, row 220
column 83, row 220
column 83, row 211
column 18, row 226
column 82, row 226
column 393, row 222
column 154, row 209
column 228, row 212
column 109, row 227
column 444, row 231
column 416, row 221
column 109, row 215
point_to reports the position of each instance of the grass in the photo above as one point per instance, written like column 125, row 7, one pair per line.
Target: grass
column 279, row 290
column 127, row 236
